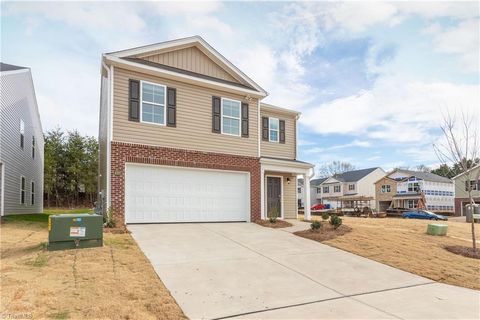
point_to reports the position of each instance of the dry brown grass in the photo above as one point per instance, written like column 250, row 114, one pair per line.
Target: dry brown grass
column 404, row 244
column 112, row 282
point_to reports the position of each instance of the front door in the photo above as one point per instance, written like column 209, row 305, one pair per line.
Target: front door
column 274, row 197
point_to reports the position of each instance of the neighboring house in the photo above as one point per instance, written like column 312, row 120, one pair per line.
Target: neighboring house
column 461, row 189
column 21, row 143
column 403, row 189
column 313, row 192
column 184, row 137
column 350, row 189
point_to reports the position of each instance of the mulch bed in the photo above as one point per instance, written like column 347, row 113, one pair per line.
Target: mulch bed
column 278, row 224
column 463, row 251
column 326, row 232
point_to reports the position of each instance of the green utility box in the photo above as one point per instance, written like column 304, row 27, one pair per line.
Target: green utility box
column 71, row 231
column 437, row 229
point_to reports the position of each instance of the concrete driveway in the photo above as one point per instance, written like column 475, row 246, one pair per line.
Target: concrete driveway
column 242, row 270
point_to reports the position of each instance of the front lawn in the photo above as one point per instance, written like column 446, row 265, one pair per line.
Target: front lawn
column 404, row 244
column 112, row 282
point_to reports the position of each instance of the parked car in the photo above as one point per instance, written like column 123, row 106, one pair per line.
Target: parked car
column 318, row 206
column 423, row 214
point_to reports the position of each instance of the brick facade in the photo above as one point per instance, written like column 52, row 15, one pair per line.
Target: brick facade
column 122, row 153
column 458, row 204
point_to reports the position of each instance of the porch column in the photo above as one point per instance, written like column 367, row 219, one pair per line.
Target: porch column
column 262, row 194
column 306, row 196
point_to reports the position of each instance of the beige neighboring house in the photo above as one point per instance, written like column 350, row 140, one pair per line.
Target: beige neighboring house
column 461, row 189
column 350, row 189
column 185, row 137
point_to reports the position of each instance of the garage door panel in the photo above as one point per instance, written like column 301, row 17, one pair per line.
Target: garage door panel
column 167, row 194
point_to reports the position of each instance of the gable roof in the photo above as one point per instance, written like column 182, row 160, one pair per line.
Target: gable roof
column 313, row 182
column 354, row 175
column 471, row 169
column 428, row 176
column 197, row 41
column 9, row 67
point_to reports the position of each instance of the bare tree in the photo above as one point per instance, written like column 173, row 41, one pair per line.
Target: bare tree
column 334, row 167
column 460, row 146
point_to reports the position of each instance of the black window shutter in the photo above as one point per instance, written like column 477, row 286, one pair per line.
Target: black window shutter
column 244, row 120
column 467, row 185
column 216, row 113
column 282, row 131
column 265, row 128
column 171, row 107
column 134, row 100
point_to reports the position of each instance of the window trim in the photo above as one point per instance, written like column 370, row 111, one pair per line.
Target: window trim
column 351, row 187
column 23, row 192
column 156, row 104
column 326, row 188
column 230, row 117
column 32, row 193
column 270, row 129
column 335, row 189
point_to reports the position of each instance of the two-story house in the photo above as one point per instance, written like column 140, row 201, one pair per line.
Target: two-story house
column 21, row 143
column 462, row 183
column 402, row 189
column 350, row 189
column 184, row 137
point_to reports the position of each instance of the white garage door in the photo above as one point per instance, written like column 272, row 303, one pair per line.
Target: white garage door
column 173, row 194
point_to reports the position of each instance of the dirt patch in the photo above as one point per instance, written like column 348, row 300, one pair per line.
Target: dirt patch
column 463, row 251
column 115, row 281
column 404, row 244
column 326, row 232
column 276, row 225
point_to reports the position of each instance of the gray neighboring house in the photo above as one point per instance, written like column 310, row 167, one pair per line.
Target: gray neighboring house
column 21, row 143
column 313, row 192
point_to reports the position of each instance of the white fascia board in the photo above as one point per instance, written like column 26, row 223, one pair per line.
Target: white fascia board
column 186, row 41
column 175, row 75
column 285, row 166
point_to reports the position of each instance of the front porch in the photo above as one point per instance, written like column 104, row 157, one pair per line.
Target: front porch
column 279, row 195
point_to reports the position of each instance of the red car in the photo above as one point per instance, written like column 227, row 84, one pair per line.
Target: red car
column 318, row 206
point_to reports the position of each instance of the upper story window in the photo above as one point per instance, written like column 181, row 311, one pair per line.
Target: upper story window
column 351, row 186
column 273, row 129
column 319, row 190
column 474, row 185
column 22, row 190
column 326, row 189
column 32, row 196
column 413, row 187
column 22, row 133
column 231, row 117
column 336, row 189
column 386, row 188
column 153, row 103
column 299, row 190
column 33, row 147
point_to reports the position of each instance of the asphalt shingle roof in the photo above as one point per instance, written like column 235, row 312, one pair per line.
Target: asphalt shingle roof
column 9, row 67
column 426, row 176
column 353, row 176
column 313, row 182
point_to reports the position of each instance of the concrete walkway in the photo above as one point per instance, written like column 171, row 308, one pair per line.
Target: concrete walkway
column 242, row 270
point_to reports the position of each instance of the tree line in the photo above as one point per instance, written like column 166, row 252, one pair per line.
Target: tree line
column 71, row 166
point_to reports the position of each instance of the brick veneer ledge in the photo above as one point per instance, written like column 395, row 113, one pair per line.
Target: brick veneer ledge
column 122, row 153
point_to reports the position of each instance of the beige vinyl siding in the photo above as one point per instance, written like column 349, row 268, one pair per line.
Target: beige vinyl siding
column 194, row 119
column 289, row 194
column 460, row 191
column 280, row 150
column 191, row 59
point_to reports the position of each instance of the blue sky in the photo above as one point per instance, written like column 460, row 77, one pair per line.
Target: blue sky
column 372, row 79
